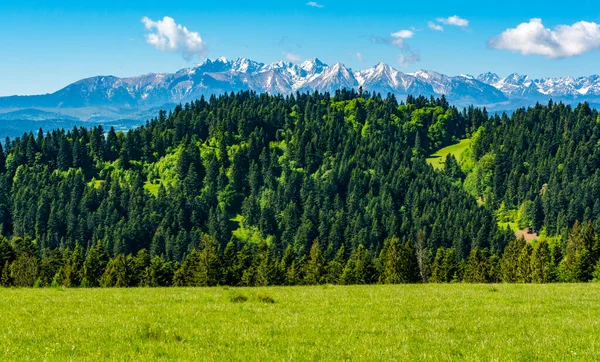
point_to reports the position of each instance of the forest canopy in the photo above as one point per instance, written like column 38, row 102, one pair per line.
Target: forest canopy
column 249, row 189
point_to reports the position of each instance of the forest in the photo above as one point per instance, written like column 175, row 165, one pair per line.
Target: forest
column 251, row 189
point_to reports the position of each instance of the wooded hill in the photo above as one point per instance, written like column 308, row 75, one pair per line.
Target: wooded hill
column 248, row 189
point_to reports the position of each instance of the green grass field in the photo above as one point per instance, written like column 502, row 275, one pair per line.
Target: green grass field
column 408, row 322
column 437, row 159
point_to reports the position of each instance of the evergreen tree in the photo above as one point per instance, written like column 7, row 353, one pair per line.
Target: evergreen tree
column 315, row 269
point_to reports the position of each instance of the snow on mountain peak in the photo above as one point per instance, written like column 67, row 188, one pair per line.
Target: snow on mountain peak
column 313, row 65
column 221, row 75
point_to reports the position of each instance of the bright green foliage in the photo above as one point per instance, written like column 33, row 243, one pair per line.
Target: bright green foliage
column 455, row 151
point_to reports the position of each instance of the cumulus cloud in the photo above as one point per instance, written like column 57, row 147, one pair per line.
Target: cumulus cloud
column 434, row 26
column 315, row 4
column 454, row 20
column 397, row 39
column 294, row 58
column 404, row 34
column 561, row 42
column 167, row 35
column 409, row 58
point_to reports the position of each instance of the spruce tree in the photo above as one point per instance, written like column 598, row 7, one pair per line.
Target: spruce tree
column 315, row 269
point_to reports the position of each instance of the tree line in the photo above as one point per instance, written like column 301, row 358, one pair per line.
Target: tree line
column 257, row 265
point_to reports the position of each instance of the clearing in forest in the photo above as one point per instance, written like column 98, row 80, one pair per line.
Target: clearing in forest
column 437, row 159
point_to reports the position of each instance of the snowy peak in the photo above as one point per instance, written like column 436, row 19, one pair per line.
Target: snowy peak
column 222, row 75
column 488, row 78
column 313, row 66
column 244, row 65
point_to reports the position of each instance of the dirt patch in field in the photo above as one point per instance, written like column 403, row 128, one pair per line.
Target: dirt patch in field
column 527, row 233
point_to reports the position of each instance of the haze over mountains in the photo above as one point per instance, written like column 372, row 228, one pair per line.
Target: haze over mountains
column 110, row 99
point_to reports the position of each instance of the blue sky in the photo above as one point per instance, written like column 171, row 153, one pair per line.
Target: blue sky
column 46, row 45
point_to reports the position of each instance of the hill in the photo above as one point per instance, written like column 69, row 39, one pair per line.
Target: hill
column 248, row 189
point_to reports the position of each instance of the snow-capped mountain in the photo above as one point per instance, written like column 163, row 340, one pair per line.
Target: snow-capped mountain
column 566, row 89
column 384, row 79
column 462, row 89
column 136, row 95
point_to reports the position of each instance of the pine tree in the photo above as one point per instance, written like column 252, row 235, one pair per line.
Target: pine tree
column 541, row 263
column 95, row 264
column 391, row 257
column 335, row 268
column 477, row 268
column 24, row 270
column 209, row 271
column 265, row 267
column 524, row 264
column 5, row 277
column 510, row 261
column 315, row 269
column 230, row 272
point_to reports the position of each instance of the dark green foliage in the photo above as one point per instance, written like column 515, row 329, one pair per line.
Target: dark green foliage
column 445, row 268
column 547, row 155
column 541, row 264
column 480, row 267
column 399, row 263
column 315, row 269
column 95, row 264
column 510, row 261
column 581, row 252
column 237, row 190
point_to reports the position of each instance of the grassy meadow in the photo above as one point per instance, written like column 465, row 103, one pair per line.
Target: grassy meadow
column 437, row 159
column 379, row 322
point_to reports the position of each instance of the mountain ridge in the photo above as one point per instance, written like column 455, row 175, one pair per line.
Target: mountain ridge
column 131, row 95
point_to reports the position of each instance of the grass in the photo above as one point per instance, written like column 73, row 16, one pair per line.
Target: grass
column 437, row 159
column 409, row 322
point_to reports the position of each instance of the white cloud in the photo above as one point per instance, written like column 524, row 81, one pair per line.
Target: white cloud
column 398, row 38
column 167, row 35
column 561, row 42
column 454, row 20
column 409, row 58
column 434, row 26
column 315, row 4
column 360, row 57
column 294, row 58
column 404, row 34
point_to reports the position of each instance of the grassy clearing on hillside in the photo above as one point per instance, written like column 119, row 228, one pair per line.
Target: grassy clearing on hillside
column 437, row 159
column 381, row 322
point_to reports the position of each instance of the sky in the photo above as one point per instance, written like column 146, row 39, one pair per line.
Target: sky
column 46, row 45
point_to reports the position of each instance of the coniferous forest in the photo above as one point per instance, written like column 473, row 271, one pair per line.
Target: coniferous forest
column 248, row 189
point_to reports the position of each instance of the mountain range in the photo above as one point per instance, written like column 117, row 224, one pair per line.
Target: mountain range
column 109, row 98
